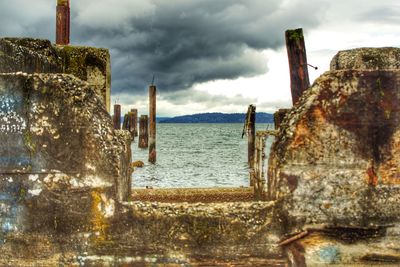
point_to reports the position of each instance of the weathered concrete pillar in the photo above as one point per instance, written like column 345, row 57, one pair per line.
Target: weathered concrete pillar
column 63, row 22
column 257, row 178
column 135, row 121
column 117, row 117
column 143, row 132
column 152, row 122
column 297, row 56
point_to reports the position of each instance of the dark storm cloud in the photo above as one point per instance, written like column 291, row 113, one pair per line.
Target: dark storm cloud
column 187, row 42
column 182, row 42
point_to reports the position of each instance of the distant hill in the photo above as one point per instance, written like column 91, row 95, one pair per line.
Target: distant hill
column 261, row 117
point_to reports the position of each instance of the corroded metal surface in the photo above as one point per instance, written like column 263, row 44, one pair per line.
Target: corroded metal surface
column 63, row 22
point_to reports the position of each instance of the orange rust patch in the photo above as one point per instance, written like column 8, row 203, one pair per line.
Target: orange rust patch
column 389, row 169
column 319, row 115
column 315, row 239
column 372, row 177
column 301, row 133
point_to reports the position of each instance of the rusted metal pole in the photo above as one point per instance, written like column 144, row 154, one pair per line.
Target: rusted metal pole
column 63, row 22
column 297, row 56
column 135, row 121
column 152, row 122
column 117, row 117
column 143, row 132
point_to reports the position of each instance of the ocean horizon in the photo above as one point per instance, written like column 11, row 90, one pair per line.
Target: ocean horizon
column 196, row 155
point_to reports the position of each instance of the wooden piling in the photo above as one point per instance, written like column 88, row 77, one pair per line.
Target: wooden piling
column 296, row 50
column 152, row 122
column 117, row 117
column 135, row 121
column 143, row 132
column 251, row 134
column 63, row 22
column 125, row 122
column 131, row 124
column 249, row 129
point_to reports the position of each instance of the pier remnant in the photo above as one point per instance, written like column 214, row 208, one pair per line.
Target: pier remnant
column 143, row 132
column 152, row 122
column 250, row 130
column 296, row 50
column 117, row 117
column 131, row 126
column 135, row 121
column 63, row 22
column 340, row 150
column 30, row 55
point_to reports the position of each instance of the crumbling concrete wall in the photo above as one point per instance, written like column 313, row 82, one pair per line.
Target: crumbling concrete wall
column 63, row 168
column 336, row 160
column 40, row 56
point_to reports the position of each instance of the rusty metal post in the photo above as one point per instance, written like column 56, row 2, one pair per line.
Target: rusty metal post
column 135, row 121
column 296, row 50
column 143, row 132
column 63, row 22
column 117, row 117
column 152, row 122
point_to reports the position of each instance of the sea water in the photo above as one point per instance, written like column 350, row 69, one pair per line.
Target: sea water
column 196, row 155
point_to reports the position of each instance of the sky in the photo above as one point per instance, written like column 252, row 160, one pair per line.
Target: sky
column 208, row 55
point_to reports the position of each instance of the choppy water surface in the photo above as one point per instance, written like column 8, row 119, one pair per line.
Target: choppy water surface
column 196, row 155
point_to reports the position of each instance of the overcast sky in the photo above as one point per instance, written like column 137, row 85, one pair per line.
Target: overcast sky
column 208, row 55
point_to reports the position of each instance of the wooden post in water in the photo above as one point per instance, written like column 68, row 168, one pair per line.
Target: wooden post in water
column 135, row 121
column 251, row 135
column 143, row 132
column 62, row 22
column 131, row 123
column 125, row 122
column 297, row 56
column 249, row 129
column 152, row 122
column 117, row 117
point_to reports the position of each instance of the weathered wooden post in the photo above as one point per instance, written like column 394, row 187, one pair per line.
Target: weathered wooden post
column 135, row 121
column 249, row 129
column 251, row 134
column 117, row 117
column 152, row 121
column 131, row 124
column 62, row 22
column 143, row 132
column 296, row 50
column 125, row 122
